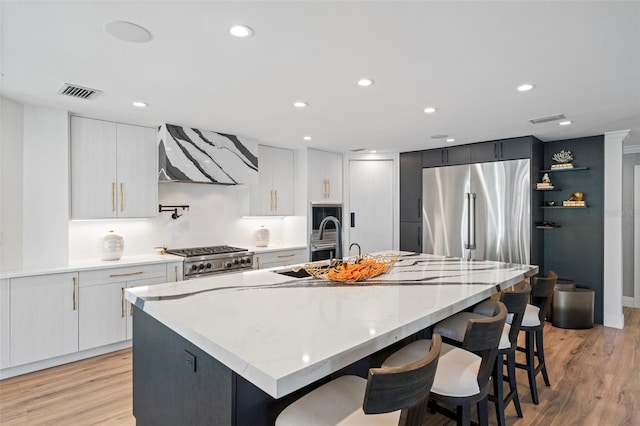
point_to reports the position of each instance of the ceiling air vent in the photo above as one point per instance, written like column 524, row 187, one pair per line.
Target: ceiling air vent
column 358, row 150
column 78, row 91
column 547, row 118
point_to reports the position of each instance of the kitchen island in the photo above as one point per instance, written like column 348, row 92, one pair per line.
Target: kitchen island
column 234, row 349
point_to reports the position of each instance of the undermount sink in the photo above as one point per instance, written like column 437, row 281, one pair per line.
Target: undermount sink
column 301, row 273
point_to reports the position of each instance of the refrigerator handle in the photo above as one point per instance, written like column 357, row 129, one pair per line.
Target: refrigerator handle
column 468, row 208
column 472, row 221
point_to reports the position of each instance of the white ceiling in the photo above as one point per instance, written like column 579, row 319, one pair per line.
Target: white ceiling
column 465, row 58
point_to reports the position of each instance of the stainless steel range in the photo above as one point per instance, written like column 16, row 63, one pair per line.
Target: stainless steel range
column 203, row 261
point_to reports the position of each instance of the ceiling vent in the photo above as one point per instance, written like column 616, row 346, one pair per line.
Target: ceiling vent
column 78, row 91
column 358, row 150
column 548, row 118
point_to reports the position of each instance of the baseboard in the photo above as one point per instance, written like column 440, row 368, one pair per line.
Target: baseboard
column 614, row 321
column 629, row 302
column 60, row 360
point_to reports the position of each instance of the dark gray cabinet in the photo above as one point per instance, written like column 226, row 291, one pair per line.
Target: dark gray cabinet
column 411, row 236
column 451, row 156
column 411, row 186
column 504, row 149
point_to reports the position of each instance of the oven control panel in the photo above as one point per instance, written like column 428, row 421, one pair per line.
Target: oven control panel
column 206, row 265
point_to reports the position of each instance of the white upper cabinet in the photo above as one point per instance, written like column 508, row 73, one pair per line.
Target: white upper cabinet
column 273, row 195
column 325, row 176
column 113, row 170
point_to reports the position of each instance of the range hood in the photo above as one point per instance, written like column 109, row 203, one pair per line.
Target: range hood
column 203, row 156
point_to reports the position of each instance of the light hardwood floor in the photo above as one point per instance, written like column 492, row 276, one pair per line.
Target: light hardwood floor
column 595, row 380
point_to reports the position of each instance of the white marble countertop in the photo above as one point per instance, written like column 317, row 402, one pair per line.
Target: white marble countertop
column 92, row 264
column 282, row 333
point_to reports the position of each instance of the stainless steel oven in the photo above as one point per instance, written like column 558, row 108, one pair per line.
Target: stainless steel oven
column 204, row 261
column 325, row 248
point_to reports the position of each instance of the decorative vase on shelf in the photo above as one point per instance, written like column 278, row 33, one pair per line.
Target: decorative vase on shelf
column 261, row 237
column 110, row 245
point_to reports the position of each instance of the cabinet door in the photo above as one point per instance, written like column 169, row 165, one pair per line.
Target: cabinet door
column 93, row 169
column 261, row 202
column 5, row 331
column 456, row 155
column 411, row 186
column 129, row 308
column 283, row 181
column 137, row 187
column 44, row 317
column 433, row 157
column 516, row 148
column 325, row 176
column 484, row 152
column 175, row 271
column 103, row 315
column 411, row 236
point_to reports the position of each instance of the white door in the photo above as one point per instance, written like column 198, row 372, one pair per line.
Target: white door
column 636, row 245
column 102, row 315
column 371, row 185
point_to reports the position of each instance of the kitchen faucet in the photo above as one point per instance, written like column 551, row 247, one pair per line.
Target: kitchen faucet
column 336, row 223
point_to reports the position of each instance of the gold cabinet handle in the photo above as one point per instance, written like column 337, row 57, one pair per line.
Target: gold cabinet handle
column 175, row 268
column 126, row 274
column 113, row 196
column 328, row 188
column 74, row 291
column 271, row 200
column 121, row 196
column 282, row 256
column 275, row 209
column 130, row 309
column 122, row 302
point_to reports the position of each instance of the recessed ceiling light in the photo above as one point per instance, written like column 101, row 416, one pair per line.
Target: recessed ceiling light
column 139, row 104
column 373, row 151
column 127, row 31
column 241, row 31
column 300, row 104
column 430, row 110
column 564, row 123
column 525, row 87
column 451, row 139
column 364, row 82
column 307, row 138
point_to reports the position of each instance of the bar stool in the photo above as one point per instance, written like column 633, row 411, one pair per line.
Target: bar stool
column 462, row 378
column 453, row 329
column 392, row 396
column 533, row 325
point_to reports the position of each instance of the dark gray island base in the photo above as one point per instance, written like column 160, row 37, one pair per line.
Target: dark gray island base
column 176, row 383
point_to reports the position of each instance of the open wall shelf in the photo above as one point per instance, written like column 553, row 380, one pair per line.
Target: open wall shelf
column 568, row 169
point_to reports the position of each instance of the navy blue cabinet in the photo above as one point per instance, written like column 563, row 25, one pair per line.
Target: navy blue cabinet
column 501, row 150
column 451, row 156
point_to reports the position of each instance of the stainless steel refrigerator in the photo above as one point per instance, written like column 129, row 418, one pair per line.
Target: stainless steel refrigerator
column 480, row 211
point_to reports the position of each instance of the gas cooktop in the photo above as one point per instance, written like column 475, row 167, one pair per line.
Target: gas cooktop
column 205, row 251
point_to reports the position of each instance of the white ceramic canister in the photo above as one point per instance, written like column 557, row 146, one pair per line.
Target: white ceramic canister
column 261, row 237
column 110, row 246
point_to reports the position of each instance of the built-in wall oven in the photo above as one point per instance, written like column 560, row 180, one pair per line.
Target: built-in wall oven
column 325, row 248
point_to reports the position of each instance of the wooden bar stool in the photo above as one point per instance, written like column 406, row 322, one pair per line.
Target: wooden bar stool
column 454, row 327
column 462, row 378
column 392, row 396
column 533, row 325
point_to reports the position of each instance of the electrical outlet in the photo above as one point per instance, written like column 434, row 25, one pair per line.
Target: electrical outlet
column 190, row 360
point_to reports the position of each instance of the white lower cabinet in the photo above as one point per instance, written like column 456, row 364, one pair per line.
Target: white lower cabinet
column 270, row 259
column 5, row 320
column 105, row 315
column 44, row 317
column 175, row 271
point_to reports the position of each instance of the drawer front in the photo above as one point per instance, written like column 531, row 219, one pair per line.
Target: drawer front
column 285, row 257
column 120, row 274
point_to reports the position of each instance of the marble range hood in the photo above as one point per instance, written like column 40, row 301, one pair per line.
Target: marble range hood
column 203, row 156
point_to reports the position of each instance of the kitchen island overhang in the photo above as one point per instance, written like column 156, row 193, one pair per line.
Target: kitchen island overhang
column 281, row 334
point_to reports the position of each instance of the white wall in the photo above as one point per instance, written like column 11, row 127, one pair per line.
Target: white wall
column 11, row 159
column 46, row 187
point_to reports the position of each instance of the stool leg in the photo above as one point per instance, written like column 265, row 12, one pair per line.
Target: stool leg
column 513, row 386
column 483, row 412
column 463, row 415
column 498, row 390
column 531, row 369
column 540, row 352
